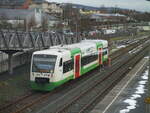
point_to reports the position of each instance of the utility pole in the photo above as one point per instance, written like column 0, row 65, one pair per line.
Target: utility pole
column 76, row 29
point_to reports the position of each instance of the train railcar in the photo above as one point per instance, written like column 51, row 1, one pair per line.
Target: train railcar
column 52, row 67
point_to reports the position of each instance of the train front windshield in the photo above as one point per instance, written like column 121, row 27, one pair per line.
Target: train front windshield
column 43, row 63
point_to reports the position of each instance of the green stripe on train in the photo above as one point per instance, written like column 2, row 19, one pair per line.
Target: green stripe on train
column 75, row 51
column 99, row 45
column 105, row 58
column 49, row 86
column 85, row 70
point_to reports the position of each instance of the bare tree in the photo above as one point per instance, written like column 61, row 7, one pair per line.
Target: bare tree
column 32, row 23
column 72, row 16
column 4, row 22
column 44, row 24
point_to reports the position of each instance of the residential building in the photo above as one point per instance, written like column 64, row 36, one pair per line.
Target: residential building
column 27, row 18
column 48, row 7
column 108, row 17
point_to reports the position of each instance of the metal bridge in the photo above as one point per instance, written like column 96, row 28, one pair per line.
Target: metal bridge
column 12, row 42
column 28, row 41
column 17, row 41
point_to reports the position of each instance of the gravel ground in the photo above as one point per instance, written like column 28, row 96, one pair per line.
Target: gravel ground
column 13, row 86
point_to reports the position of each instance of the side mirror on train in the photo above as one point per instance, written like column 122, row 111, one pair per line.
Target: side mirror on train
column 60, row 63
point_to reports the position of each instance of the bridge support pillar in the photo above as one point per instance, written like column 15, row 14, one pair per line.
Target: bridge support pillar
column 10, row 54
column 10, row 63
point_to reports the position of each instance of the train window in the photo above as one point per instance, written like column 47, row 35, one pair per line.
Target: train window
column 60, row 63
column 88, row 59
column 104, row 52
column 68, row 66
column 43, row 63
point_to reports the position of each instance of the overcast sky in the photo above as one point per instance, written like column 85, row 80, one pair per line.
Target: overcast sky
column 140, row 5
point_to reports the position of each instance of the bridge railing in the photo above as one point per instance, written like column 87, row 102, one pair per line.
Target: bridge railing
column 10, row 40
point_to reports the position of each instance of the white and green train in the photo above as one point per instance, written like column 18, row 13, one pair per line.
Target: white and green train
column 52, row 67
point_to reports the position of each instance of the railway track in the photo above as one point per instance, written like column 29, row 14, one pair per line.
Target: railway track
column 82, row 102
column 128, row 48
column 29, row 101
column 24, row 102
column 16, row 101
column 69, row 96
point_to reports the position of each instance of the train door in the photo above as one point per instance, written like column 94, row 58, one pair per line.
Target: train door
column 100, row 56
column 77, row 65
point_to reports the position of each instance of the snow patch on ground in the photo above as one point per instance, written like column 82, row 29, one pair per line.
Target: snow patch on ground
column 139, row 90
column 121, row 46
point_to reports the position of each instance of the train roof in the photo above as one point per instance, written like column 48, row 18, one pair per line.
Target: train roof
column 48, row 51
column 104, row 42
column 83, row 45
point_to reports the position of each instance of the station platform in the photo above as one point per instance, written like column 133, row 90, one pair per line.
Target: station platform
column 128, row 96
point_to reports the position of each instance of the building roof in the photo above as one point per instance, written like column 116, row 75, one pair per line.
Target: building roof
column 15, row 13
column 17, row 2
column 108, row 15
column 38, row 1
column 94, row 16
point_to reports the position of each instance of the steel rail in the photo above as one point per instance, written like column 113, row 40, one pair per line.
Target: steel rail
column 109, row 87
column 64, row 108
column 16, row 101
column 33, row 102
